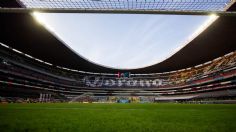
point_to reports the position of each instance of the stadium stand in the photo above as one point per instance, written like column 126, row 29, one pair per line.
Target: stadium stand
column 30, row 79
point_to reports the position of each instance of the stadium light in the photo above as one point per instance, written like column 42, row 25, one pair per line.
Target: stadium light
column 207, row 23
column 40, row 19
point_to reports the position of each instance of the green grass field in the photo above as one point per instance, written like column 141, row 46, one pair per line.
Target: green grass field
column 118, row 117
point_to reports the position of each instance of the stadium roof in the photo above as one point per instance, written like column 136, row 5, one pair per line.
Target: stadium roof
column 217, row 40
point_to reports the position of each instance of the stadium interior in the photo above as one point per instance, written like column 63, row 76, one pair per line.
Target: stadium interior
column 31, row 73
column 47, row 86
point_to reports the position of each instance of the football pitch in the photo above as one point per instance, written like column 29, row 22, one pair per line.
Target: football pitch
column 118, row 117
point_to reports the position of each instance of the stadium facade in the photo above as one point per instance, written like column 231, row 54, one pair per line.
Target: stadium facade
column 203, row 69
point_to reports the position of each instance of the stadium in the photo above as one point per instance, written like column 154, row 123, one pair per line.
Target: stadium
column 47, row 85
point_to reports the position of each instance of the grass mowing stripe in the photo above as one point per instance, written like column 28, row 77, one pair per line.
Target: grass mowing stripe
column 69, row 108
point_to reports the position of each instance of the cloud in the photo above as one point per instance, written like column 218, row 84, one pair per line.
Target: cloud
column 123, row 41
